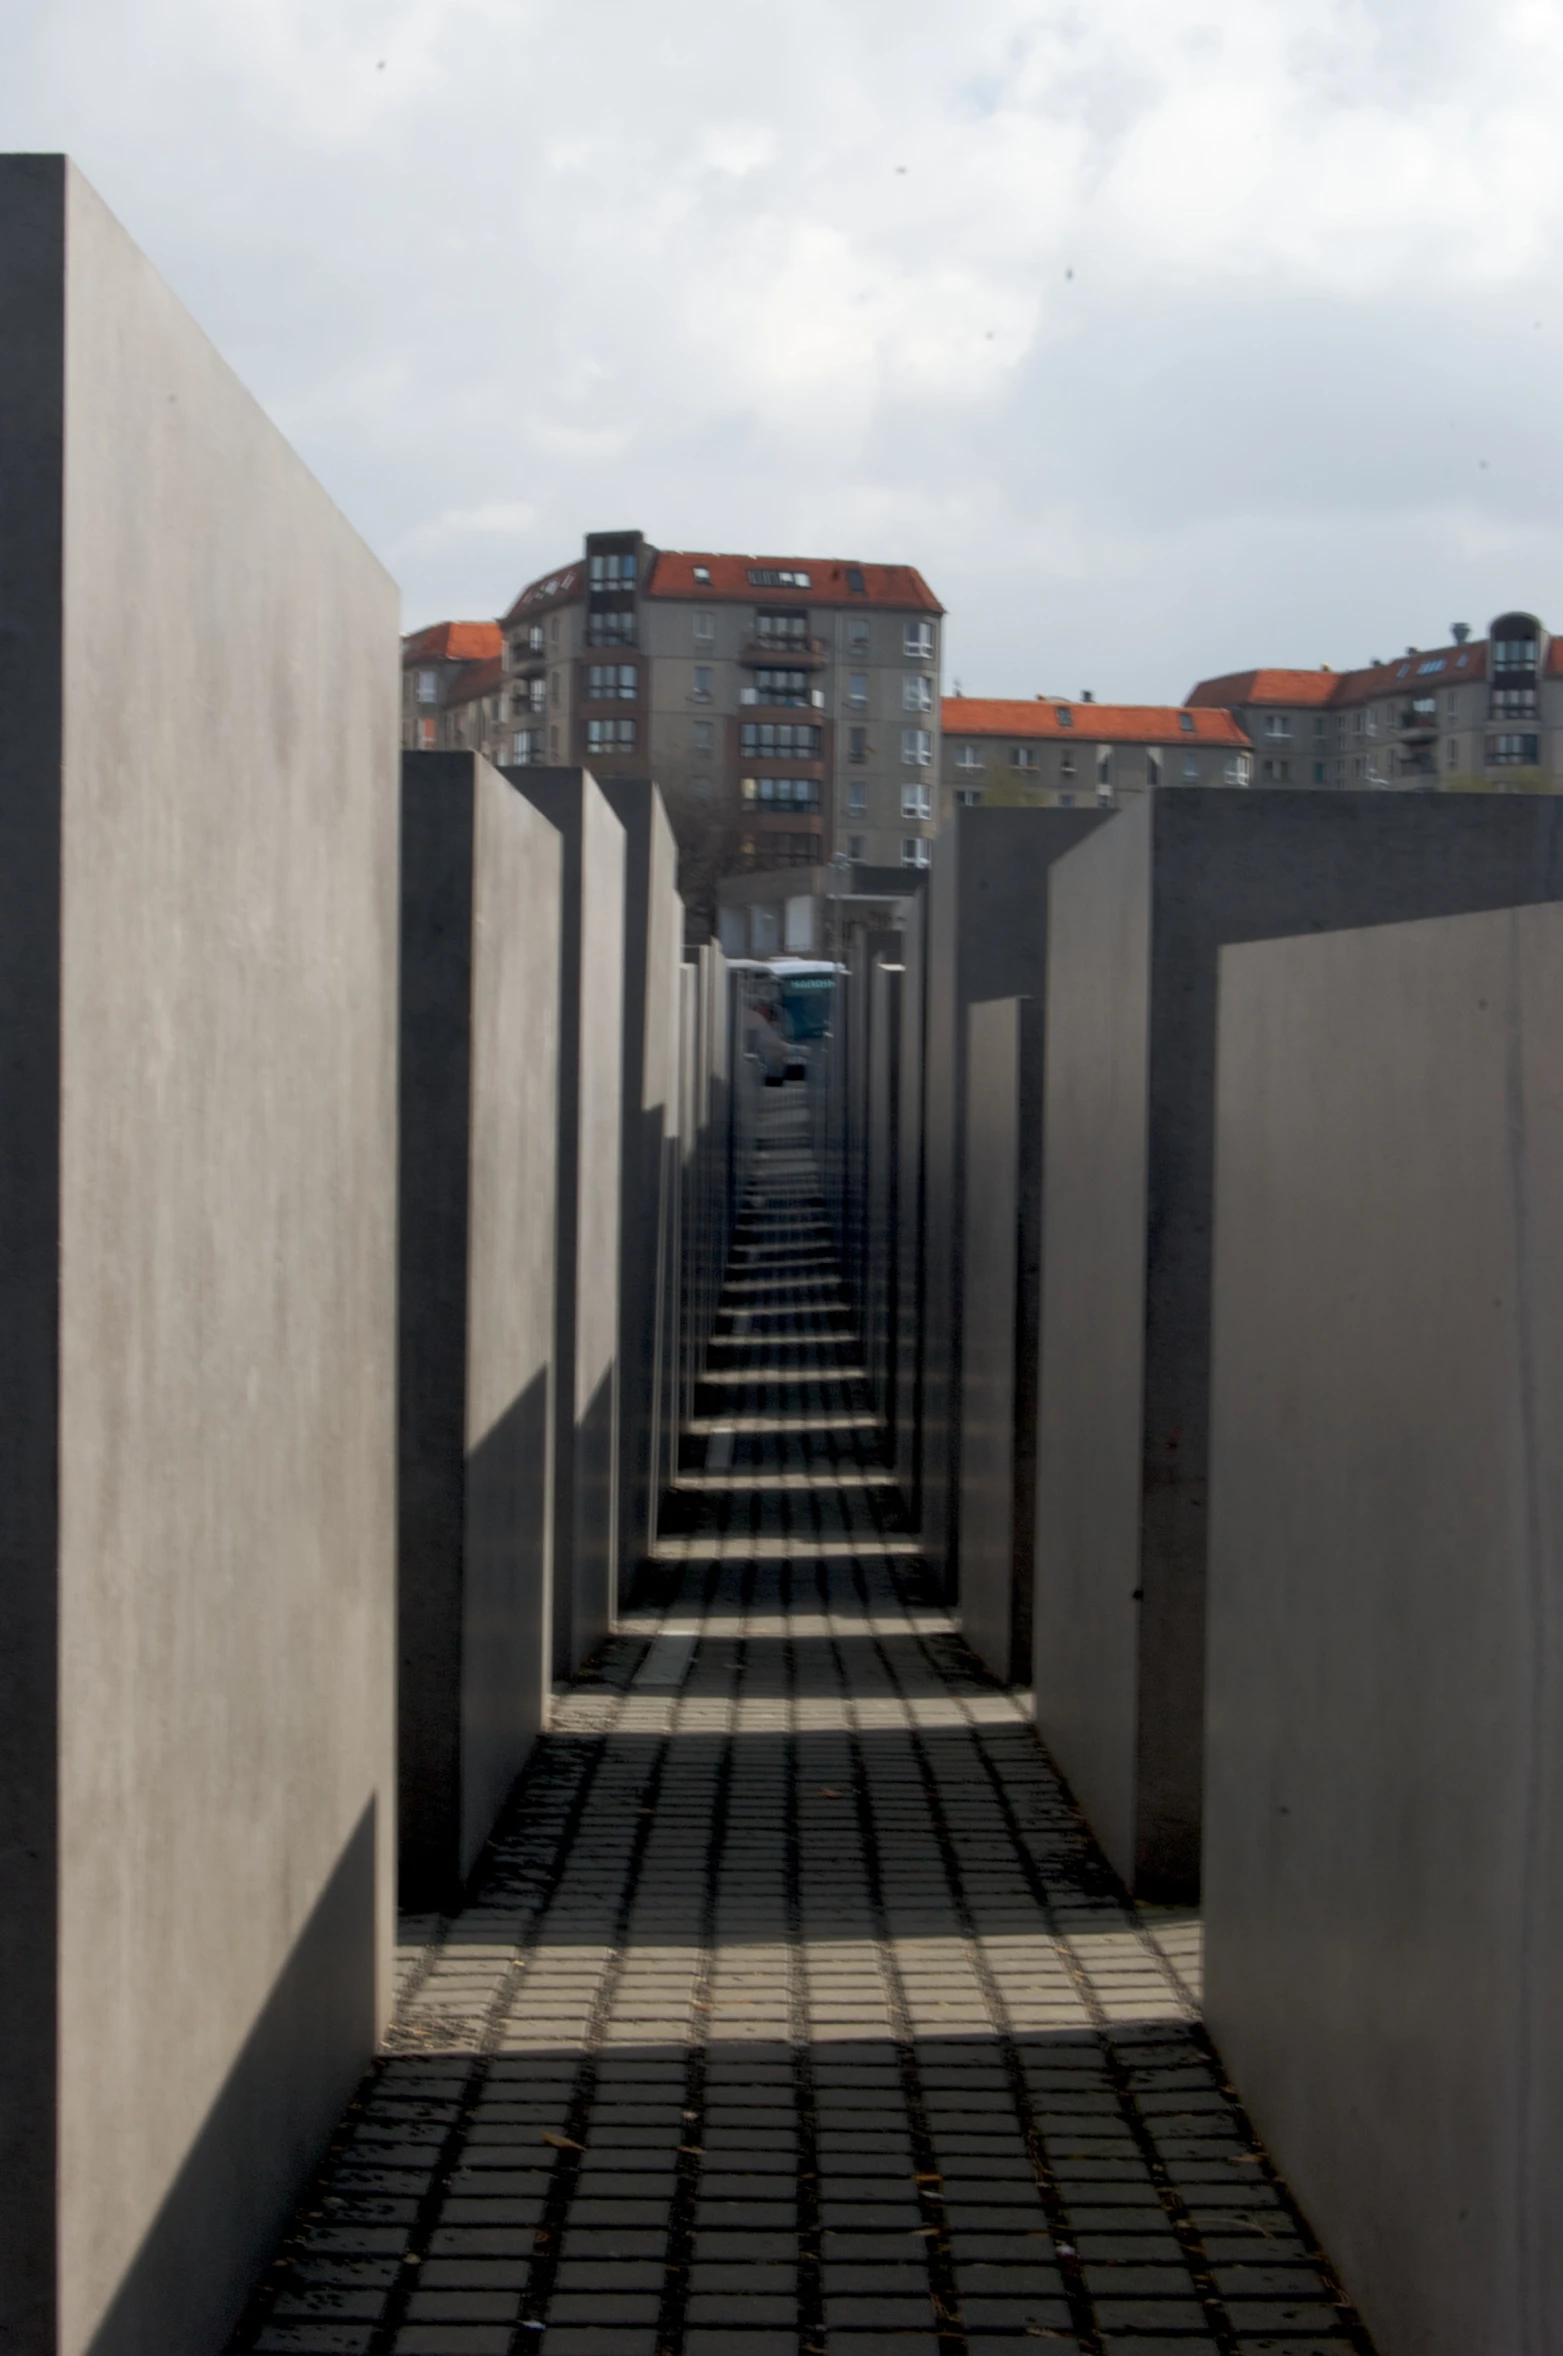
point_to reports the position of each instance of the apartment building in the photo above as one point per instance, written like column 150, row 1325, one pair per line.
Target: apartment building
column 1482, row 715
column 796, row 698
column 448, row 666
column 1054, row 753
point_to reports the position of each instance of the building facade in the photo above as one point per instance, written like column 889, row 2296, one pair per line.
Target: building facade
column 1055, row 754
column 450, row 664
column 792, row 704
column 1482, row 715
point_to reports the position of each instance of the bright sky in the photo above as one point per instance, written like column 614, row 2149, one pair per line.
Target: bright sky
column 1165, row 336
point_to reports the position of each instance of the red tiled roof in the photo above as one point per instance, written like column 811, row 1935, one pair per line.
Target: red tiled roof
column 453, row 642
column 976, row 715
column 899, row 586
column 1265, row 687
column 1443, row 666
column 559, row 587
column 482, row 679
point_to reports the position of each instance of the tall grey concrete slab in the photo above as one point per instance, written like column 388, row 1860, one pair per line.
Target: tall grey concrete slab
column 1384, row 1814
column 904, row 1438
column 586, row 1345
column 197, row 1253
column 1139, row 915
column 1000, row 1310
column 987, row 938
column 653, row 956
column 478, row 1112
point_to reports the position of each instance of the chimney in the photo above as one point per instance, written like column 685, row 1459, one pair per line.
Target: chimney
column 1459, row 632
column 1087, row 695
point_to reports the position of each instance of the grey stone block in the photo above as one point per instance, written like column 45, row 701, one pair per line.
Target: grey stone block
column 987, row 938
column 1139, row 915
column 479, row 1093
column 197, row 1255
column 648, row 1300
column 586, row 1347
column 999, row 1306
column 1384, row 1809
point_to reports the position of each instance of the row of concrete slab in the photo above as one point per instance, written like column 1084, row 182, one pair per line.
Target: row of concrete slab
column 365, row 1174
column 1202, row 1166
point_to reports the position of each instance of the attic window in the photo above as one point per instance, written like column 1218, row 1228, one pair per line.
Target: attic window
column 702, row 572
column 1064, row 716
column 1436, row 664
column 855, row 580
column 1404, row 668
column 1186, row 723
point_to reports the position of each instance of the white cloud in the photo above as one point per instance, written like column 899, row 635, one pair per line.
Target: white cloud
column 512, row 269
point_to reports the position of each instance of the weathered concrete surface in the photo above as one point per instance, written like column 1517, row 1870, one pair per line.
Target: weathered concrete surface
column 648, row 1308
column 999, row 1330
column 586, row 1348
column 987, row 938
column 904, row 1438
column 479, row 1089
column 1139, row 915
column 198, row 862
column 1384, row 1817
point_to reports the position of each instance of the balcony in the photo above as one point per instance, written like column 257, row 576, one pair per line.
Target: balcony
column 805, row 653
column 1417, row 726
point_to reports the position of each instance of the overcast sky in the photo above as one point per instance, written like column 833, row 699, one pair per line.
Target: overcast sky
column 1165, row 336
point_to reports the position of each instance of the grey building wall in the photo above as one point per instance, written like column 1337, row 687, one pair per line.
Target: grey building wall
column 586, row 1349
column 987, row 938
column 197, row 1243
column 1384, row 1820
column 478, row 1113
column 1139, row 915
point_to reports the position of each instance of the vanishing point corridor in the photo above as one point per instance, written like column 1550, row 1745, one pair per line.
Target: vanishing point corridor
column 795, row 2010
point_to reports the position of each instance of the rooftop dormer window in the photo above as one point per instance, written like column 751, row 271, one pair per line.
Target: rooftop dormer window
column 1186, row 723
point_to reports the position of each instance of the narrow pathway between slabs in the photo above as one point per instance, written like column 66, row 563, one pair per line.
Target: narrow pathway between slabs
column 798, row 2011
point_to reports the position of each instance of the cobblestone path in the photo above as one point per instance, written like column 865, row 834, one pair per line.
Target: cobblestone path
column 797, row 2011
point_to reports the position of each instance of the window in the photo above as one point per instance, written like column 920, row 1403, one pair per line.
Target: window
column 553, row 629
column 1104, row 769
column 553, row 740
column 556, row 687
column 916, row 693
column 1452, row 753
column 700, row 736
column 1186, row 723
column 1277, row 772
column 857, row 632
column 1064, row 716
column 1514, row 703
column 916, row 746
column 781, row 737
column 857, row 690
column 705, row 626
column 780, row 687
column 968, row 757
column 428, row 687
column 1507, row 752
column 1237, row 769
column 1514, row 654
column 968, row 796
column 1435, row 664
column 782, row 629
column 855, row 586
column 854, row 846
column 1065, row 802
column 1066, row 764
column 857, row 797
column 702, row 573
column 609, row 682
column 1152, row 765
column 610, row 629
column 702, row 787
column 916, row 801
column 610, row 736
column 537, row 692
column 1022, row 756
column 1371, row 719
column 426, row 736
column 917, row 641
column 613, row 571
column 763, row 576
column 1278, row 723
column 1191, row 768
column 857, row 744
column 534, row 638
column 526, row 748
column 701, row 690
column 788, row 793
column 914, row 850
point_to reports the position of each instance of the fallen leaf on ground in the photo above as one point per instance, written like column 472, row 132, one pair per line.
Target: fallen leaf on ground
column 559, row 2142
